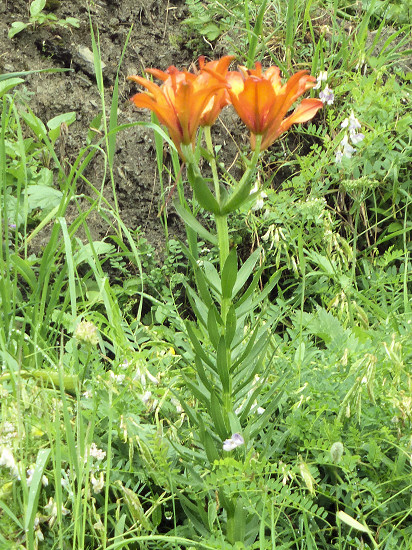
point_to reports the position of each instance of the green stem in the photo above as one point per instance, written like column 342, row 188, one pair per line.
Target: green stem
column 239, row 193
column 209, row 145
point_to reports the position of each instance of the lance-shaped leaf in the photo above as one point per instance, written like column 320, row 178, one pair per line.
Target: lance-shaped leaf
column 239, row 195
column 208, row 442
column 197, row 347
column 34, row 491
column 260, row 297
column 229, row 274
column 203, row 194
column 199, row 391
column 246, row 270
column 212, row 326
column 197, row 305
column 219, row 417
column 194, row 224
column 222, row 364
column 231, row 324
column 212, row 277
column 201, row 372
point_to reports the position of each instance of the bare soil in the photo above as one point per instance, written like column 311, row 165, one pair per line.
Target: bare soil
column 158, row 39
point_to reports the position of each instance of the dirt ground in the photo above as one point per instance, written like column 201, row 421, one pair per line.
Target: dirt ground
column 158, row 39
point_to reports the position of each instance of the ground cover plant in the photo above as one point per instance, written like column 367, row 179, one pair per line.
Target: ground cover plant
column 250, row 386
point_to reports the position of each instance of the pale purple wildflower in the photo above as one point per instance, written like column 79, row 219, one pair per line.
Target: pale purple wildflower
column 348, row 150
column 327, row 96
column 235, row 441
column 352, row 123
column 356, row 137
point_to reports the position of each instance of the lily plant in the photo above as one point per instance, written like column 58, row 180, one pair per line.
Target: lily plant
column 229, row 345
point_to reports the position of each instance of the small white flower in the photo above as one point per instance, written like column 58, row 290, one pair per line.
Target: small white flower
column 338, row 156
column 327, row 96
column 336, row 452
column 146, row 397
column 29, row 478
column 118, row 378
column 235, row 441
column 348, row 150
column 7, row 460
column 97, row 484
column 86, row 333
column 259, row 201
column 322, row 77
column 96, row 453
column 254, row 189
column 177, row 404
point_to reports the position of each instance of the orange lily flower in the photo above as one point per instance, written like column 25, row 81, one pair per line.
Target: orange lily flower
column 215, row 70
column 181, row 100
column 262, row 102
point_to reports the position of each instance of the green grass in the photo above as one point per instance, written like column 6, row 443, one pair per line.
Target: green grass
column 99, row 447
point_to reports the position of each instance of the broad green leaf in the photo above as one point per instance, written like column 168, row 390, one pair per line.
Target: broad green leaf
column 86, row 251
column 70, row 21
column 36, row 7
column 34, row 123
column 229, row 274
column 45, row 177
column 211, row 31
column 8, row 84
column 17, row 27
column 54, row 124
column 43, row 197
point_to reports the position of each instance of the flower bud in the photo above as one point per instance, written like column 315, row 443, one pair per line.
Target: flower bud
column 336, row 452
